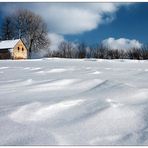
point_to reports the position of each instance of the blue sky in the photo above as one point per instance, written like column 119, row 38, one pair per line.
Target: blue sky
column 90, row 22
column 131, row 23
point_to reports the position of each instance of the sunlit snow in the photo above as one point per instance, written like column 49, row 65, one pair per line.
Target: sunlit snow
column 73, row 102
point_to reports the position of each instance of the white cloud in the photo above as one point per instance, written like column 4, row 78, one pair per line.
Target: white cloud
column 55, row 40
column 121, row 44
column 75, row 18
column 71, row 18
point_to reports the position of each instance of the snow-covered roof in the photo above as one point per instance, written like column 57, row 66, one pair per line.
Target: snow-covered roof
column 8, row 44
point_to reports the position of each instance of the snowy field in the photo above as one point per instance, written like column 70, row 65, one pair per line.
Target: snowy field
column 73, row 102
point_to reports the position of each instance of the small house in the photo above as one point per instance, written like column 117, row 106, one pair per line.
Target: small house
column 13, row 49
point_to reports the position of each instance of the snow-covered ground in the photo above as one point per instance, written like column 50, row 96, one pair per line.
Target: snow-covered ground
column 73, row 102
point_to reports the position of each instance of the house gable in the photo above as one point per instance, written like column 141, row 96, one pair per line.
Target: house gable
column 20, row 51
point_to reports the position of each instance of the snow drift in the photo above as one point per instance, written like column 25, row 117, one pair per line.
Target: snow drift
column 73, row 102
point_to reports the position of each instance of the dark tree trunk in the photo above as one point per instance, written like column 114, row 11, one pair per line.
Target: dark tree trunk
column 31, row 42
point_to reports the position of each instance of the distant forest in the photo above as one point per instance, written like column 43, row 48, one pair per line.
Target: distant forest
column 81, row 50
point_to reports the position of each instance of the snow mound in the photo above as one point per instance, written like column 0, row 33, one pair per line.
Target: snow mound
column 37, row 111
column 73, row 102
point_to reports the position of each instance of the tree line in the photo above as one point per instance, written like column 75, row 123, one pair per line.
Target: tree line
column 81, row 50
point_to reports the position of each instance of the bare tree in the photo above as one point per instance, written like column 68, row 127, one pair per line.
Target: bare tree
column 68, row 50
column 7, row 30
column 32, row 29
column 82, row 50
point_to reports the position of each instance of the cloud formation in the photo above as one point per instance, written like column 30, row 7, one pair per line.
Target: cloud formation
column 71, row 18
column 75, row 18
column 121, row 44
column 55, row 40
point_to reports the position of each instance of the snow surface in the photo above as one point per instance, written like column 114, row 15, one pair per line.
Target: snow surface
column 73, row 102
column 8, row 44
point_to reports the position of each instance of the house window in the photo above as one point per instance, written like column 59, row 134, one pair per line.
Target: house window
column 22, row 49
column 18, row 48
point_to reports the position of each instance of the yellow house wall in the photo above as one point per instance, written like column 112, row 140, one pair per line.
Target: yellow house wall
column 19, row 54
